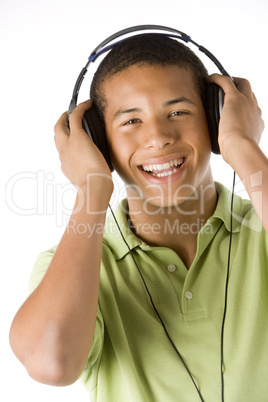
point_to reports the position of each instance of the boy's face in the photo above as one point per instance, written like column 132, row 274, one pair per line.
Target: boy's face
column 157, row 131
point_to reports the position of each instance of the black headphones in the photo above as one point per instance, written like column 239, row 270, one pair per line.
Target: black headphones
column 96, row 131
column 91, row 121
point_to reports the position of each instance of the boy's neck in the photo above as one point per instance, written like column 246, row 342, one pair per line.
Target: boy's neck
column 175, row 227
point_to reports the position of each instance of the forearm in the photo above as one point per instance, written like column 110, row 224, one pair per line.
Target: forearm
column 251, row 165
column 53, row 331
column 240, row 129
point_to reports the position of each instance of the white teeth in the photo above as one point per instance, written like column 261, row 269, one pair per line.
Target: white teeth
column 159, row 167
column 164, row 174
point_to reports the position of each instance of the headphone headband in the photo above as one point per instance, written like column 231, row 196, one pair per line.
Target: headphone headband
column 101, row 47
column 108, row 43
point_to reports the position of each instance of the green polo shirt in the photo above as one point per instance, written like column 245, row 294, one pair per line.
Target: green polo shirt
column 132, row 360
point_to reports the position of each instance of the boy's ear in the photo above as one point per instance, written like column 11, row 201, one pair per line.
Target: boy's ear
column 214, row 98
column 95, row 128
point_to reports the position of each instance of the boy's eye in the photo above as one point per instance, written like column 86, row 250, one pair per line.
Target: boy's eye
column 178, row 113
column 132, row 121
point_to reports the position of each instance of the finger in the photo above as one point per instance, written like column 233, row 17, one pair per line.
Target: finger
column 75, row 118
column 255, row 99
column 226, row 83
column 244, row 87
column 62, row 124
column 61, row 131
column 229, row 85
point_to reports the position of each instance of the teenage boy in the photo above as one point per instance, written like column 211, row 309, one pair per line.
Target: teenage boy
column 89, row 311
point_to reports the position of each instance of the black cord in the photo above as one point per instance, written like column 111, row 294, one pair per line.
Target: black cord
column 154, row 307
column 225, row 299
column 226, row 288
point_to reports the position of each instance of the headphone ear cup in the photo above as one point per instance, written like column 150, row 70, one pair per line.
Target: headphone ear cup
column 213, row 105
column 95, row 128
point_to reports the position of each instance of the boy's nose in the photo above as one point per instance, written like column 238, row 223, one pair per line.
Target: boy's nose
column 157, row 135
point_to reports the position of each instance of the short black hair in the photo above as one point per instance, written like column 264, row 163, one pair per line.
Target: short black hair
column 151, row 49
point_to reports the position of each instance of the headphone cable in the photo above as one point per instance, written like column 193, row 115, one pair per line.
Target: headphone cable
column 226, row 287
column 225, row 299
column 154, row 307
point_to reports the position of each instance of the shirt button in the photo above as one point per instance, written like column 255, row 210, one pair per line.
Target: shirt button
column 171, row 268
column 189, row 295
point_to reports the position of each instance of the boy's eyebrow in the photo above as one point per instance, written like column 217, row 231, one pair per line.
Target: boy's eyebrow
column 178, row 100
column 120, row 112
column 181, row 99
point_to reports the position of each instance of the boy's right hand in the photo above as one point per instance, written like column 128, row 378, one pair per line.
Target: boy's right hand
column 80, row 158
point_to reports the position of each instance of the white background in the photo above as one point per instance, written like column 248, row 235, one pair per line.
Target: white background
column 44, row 45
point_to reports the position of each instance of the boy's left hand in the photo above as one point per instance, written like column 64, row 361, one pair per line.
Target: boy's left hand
column 241, row 117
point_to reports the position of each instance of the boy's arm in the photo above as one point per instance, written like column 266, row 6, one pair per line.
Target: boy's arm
column 52, row 332
column 240, row 130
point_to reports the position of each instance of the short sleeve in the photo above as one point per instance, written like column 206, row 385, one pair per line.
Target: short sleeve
column 89, row 374
column 40, row 267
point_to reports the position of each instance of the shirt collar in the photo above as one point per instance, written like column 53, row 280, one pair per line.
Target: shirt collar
column 223, row 208
column 119, row 248
column 113, row 236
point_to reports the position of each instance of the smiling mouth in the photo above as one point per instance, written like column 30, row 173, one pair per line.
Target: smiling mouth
column 165, row 169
